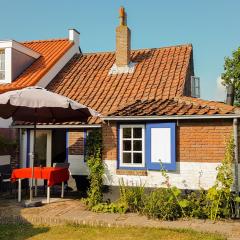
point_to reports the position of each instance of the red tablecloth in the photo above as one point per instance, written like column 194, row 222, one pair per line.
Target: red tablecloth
column 53, row 175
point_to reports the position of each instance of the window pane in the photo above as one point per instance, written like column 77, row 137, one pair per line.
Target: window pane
column 2, row 75
column 2, row 60
column 137, row 145
column 137, row 157
column 137, row 133
column 126, row 157
column 127, row 133
column 2, row 64
column 127, row 145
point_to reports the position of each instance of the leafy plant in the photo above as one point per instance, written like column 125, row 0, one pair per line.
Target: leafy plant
column 96, row 168
column 6, row 144
column 162, row 204
column 176, row 193
column 132, row 197
column 196, row 206
column 219, row 197
column 231, row 75
column 117, row 207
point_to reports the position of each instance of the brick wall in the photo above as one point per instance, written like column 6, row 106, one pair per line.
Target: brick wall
column 76, row 142
column 109, row 136
column 202, row 141
column 123, row 45
column 197, row 141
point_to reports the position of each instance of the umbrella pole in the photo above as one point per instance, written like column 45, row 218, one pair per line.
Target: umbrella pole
column 33, row 160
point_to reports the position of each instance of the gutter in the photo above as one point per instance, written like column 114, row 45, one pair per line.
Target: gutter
column 170, row 117
column 57, row 126
column 236, row 157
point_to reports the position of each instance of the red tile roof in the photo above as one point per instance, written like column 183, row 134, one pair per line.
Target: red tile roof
column 51, row 51
column 175, row 106
column 159, row 74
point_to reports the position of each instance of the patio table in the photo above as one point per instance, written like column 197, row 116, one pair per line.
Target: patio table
column 53, row 175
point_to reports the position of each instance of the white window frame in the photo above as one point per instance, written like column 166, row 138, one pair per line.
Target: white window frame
column 3, row 70
column 132, row 165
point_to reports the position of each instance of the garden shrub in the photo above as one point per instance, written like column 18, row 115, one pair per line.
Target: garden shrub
column 195, row 204
column 220, row 200
column 96, row 168
column 162, row 204
column 132, row 197
column 7, row 145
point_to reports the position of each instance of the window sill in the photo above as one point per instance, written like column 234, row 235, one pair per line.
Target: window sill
column 131, row 172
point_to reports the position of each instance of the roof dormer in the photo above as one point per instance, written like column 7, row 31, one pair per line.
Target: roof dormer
column 14, row 59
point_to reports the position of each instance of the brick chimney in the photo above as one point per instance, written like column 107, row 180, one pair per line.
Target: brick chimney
column 230, row 94
column 123, row 41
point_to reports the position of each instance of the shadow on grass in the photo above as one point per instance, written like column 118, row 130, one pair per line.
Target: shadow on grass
column 13, row 225
column 20, row 231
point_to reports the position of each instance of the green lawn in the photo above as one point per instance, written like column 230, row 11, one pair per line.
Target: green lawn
column 21, row 232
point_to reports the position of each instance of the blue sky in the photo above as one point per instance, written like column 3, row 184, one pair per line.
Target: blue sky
column 212, row 26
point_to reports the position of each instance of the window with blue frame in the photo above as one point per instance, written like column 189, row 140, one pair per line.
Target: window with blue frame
column 161, row 146
column 147, row 146
column 132, row 146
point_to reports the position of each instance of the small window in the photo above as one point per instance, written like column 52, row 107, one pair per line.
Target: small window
column 2, row 65
column 195, row 87
column 132, row 146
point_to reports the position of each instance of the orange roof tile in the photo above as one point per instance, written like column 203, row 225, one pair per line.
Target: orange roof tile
column 175, row 106
column 159, row 73
column 51, row 51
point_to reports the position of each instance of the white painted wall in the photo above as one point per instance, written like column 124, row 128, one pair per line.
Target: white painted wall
column 5, row 160
column 189, row 175
column 17, row 58
column 20, row 62
column 5, row 123
column 77, row 165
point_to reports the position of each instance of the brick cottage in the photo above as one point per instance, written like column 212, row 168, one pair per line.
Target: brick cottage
column 150, row 107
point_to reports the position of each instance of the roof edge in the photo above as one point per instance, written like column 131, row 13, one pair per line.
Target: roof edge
column 170, row 117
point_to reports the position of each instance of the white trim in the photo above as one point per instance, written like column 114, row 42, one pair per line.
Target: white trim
column 132, row 165
column 19, row 47
column 73, row 35
column 48, row 77
column 168, row 117
column 8, row 66
column 120, row 70
column 58, row 126
column 3, row 57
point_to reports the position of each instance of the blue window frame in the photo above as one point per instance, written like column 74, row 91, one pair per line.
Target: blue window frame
column 28, row 148
column 161, row 146
column 67, row 138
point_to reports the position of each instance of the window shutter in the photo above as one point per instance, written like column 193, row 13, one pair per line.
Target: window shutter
column 161, row 146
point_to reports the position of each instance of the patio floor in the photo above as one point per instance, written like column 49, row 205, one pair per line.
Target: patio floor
column 62, row 211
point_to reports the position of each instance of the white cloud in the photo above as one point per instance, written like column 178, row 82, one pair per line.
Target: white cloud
column 220, row 91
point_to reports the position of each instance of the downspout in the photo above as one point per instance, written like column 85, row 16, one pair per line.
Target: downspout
column 236, row 183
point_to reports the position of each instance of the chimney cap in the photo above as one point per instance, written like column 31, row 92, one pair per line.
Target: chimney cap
column 122, row 16
column 74, row 29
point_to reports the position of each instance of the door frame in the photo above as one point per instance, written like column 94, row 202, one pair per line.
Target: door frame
column 49, row 146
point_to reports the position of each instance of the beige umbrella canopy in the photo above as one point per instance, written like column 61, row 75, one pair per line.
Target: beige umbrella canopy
column 37, row 105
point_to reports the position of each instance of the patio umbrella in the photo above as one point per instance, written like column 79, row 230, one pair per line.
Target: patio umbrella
column 37, row 105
